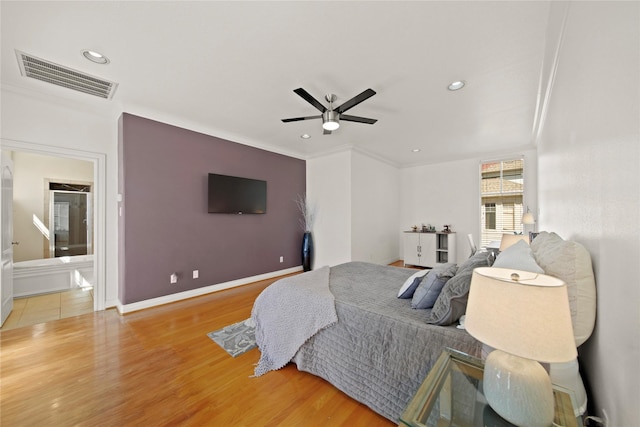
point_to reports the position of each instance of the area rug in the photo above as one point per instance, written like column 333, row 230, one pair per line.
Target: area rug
column 236, row 339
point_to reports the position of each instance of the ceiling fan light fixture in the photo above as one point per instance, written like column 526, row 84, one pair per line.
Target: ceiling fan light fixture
column 330, row 120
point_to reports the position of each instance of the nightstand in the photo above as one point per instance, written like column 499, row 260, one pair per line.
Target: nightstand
column 452, row 395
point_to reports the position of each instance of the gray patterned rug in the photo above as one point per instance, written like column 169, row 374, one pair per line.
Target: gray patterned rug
column 236, row 339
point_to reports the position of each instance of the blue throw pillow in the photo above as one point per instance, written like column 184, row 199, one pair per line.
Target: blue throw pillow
column 428, row 291
column 410, row 285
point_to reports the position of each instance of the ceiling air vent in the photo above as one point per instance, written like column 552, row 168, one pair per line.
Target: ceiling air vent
column 46, row 71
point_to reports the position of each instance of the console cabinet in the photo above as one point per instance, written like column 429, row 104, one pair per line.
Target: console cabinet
column 429, row 249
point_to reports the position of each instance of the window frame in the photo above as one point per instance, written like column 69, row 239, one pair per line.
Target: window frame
column 513, row 192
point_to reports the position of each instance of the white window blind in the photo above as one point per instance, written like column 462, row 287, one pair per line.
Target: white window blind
column 501, row 194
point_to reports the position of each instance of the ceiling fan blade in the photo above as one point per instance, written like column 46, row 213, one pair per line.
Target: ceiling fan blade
column 326, row 132
column 349, row 118
column 297, row 119
column 310, row 99
column 355, row 100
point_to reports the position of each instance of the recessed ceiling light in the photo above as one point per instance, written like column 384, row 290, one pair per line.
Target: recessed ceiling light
column 416, row 150
column 94, row 56
column 305, row 136
column 456, row 85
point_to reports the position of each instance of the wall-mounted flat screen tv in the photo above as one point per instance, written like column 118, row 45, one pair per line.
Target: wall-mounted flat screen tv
column 236, row 195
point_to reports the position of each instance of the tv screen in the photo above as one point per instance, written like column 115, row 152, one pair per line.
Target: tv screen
column 236, row 195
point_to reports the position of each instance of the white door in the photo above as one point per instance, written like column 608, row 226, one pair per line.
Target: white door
column 6, row 219
column 428, row 245
column 411, row 248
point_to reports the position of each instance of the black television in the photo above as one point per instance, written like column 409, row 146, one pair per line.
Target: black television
column 236, row 195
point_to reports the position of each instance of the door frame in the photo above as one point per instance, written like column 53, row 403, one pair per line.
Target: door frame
column 6, row 245
column 99, row 200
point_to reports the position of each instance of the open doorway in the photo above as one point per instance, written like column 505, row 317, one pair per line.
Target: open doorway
column 79, row 230
column 69, row 219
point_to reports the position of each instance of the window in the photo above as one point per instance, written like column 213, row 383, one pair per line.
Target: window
column 490, row 216
column 501, row 193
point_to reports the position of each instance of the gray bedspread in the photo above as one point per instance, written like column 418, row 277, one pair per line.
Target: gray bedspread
column 381, row 349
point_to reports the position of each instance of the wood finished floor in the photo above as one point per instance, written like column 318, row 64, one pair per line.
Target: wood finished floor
column 157, row 367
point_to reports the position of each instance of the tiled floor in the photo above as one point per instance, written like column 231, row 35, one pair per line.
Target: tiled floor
column 44, row 308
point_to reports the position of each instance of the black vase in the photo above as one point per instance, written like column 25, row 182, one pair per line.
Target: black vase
column 307, row 251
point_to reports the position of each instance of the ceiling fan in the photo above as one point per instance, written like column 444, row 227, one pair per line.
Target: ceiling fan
column 331, row 116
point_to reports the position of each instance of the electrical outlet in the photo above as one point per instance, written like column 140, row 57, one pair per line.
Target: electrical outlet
column 173, row 278
column 196, row 274
column 281, row 259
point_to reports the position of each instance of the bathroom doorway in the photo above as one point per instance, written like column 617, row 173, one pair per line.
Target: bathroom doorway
column 88, row 229
column 69, row 219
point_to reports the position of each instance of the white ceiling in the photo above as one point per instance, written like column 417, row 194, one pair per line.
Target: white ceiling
column 229, row 69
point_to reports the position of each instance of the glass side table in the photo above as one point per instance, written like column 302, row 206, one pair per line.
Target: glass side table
column 451, row 395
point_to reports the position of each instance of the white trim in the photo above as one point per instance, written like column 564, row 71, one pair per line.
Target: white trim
column 153, row 302
column 470, row 156
column 503, row 158
column 543, row 99
column 390, row 261
column 374, row 156
column 351, row 149
column 187, row 124
column 330, row 151
column 99, row 213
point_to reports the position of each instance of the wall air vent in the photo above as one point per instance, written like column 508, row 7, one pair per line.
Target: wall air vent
column 46, row 71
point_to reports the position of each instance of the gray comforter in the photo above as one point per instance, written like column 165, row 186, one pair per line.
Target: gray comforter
column 381, row 349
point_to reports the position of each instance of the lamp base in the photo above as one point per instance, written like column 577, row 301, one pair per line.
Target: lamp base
column 518, row 389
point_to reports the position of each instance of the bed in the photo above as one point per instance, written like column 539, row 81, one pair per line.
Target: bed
column 380, row 349
column 373, row 345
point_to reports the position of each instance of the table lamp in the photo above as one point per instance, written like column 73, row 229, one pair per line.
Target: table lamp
column 526, row 318
column 528, row 219
column 511, row 239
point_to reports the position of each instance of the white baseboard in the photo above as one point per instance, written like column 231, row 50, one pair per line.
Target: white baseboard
column 111, row 303
column 140, row 305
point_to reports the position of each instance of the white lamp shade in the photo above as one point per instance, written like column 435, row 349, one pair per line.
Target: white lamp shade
column 528, row 318
column 511, row 239
column 528, row 218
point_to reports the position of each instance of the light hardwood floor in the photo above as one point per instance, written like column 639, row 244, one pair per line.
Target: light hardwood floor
column 157, row 367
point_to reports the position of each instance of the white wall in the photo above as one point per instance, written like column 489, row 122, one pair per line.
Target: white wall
column 329, row 188
column 31, row 119
column 449, row 193
column 375, row 210
column 29, row 174
column 589, row 187
column 357, row 199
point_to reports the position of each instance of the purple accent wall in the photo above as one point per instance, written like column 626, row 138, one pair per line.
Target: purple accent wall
column 165, row 228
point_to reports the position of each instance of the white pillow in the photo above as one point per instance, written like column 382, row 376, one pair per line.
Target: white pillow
column 410, row 285
column 518, row 256
column 570, row 262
